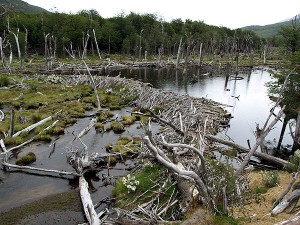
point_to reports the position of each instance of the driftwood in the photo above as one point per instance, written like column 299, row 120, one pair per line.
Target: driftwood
column 33, row 126
column 40, row 169
column 163, row 159
column 281, row 196
column 87, row 202
column 288, row 203
column 280, row 163
column 1, row 115
column 32, row 139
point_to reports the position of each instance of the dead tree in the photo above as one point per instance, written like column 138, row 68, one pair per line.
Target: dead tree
column 3, row 58
column 178, row 54
column 16, row 36
column 96, row 43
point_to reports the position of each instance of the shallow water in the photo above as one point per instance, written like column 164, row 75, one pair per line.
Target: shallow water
column 252, row 106
column 20, row 188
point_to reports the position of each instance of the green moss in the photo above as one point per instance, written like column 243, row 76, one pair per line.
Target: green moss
column 26, row 159
column 114, row 107
column 123, row 140
column 111, row 160
column 119, row 149
column 4, row 81
column 58, row 130
column 99, row 127
column 43, row 137
column 128, row 120
column 117, row 127
column 104, row 115
column 260, row 190
column 13, row 141
column 226, row 220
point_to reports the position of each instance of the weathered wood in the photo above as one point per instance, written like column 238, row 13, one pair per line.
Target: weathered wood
column 1, row 115
column 178, row 54
column 291, row 221
column 280, row 163
column 281, row 196
column 12, row 123
column 283, row 205
column 40, row 169
column 94, row 85
column 87, row 203
column 160, row 156
column 96, row 43
column 33, row 126
column 32, row 139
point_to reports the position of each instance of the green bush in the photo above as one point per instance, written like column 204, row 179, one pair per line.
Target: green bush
column 294, row 162
column 270, row 178
column 4, row 81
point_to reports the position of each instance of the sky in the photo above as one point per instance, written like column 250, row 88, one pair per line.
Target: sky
column 228, row 13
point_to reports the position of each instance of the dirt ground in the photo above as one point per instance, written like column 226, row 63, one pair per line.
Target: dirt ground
column 257, row 213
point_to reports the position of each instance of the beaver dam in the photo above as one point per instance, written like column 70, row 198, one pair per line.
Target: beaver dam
column 129, row 152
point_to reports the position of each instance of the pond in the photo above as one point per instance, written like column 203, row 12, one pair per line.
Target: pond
column 247, row 96
column 246, row 100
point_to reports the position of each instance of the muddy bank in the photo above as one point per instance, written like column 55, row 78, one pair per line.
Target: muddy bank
column 63, row 208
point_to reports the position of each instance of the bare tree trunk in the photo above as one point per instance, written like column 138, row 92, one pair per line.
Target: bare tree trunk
column 259, row 139
column 296, row 144
column 94, row 86
column 26, row 42
column 265, row 54
column 178, row 54
column 3, row 59
column 285, row 122
column 200, row 54
column 12, row 123
column 96, row 43
column 87, row 203
column 18, row 46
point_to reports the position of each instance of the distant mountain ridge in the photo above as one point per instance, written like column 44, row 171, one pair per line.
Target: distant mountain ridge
column 21, row 6
column 269, row 30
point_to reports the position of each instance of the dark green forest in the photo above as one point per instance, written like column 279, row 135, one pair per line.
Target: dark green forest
column 131, row 34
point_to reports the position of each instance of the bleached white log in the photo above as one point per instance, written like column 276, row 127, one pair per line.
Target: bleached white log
column 87, row 203
column 86, row 129
column 32, row 139
column 96, row 43
column 184, row 173
column 40, row 169
column 33, row 126
column 1, row 115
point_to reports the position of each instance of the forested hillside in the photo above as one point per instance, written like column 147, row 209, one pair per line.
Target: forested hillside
column 269, row 30
column 20, row 6
column 132, row 34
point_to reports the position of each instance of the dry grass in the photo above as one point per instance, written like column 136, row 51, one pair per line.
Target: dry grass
column 257, row 213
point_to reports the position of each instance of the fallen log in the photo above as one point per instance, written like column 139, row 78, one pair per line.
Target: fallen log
column 31, row 127
column 40, row 169
column 1, row 115
column 30, row 140
column 279, row 163
column 87, row 203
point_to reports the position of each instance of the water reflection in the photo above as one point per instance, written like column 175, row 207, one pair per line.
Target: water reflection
column 246, row 94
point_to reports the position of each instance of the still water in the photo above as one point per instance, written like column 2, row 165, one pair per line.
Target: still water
column 247, row 96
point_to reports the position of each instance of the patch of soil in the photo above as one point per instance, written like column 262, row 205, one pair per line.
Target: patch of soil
column 63, row 208
column 257, row 212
